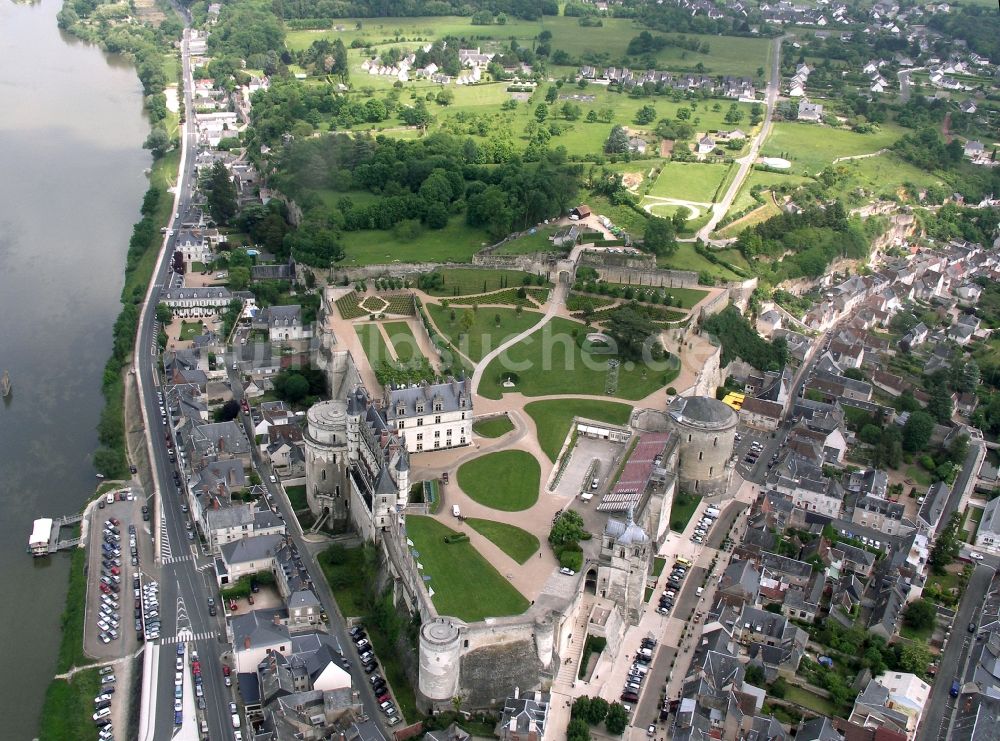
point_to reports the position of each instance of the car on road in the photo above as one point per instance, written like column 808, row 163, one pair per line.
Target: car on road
column 567, row 571
column 976, row 555
column 211, row 607
column 273, row 479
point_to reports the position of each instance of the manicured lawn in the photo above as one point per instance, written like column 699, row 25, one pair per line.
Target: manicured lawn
column 810, row 148
column 658, row 564
column 623, row 216
column 507, row 480
column 484, row 335
column 470, row 281
column 688, row 296
column 297, row 496
column 493, row 427
column 550, row 361
column 807, row 699
column 190, row 330
column 465, row 584
column 517, row 543
column 689, row 181
column 403, row 341
column 373, row 344
column 685, row 258
column 553, row 418
column 68, row 707
column 681, row 510
column 457, row 242
column 537, row 242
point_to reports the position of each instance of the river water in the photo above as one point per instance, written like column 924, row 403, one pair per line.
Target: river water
column 71, row 181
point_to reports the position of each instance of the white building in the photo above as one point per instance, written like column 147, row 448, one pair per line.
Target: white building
column 431, row 417
column 285, row 323
column 988, row 534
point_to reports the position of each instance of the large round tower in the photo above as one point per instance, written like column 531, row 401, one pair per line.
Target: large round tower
column 325, row 453
column 440, row 659
column 706, row 428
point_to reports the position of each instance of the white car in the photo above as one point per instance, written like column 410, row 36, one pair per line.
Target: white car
column 976, row 555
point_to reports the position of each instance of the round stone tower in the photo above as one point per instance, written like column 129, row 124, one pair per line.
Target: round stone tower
column 440, row 657
column 325, row 452
column 705, row 428
column 544, row 638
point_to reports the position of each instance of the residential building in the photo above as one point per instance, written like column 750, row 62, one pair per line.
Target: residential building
column 524, row 717
column 988, row 532
column 431, row 416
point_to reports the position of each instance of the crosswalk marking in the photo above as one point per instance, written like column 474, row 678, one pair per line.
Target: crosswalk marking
column 187, row 636
column 176, row 559
column 165, row 552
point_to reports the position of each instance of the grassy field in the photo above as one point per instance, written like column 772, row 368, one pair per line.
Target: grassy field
column 529, row 243
column 465, row 584
column 810, row 148
column 403, row 341
column 71, row 639
column 685, row 258
column 493, row 427
column 507, row 480
column 689, row 181
column 517, row 543
column 297, row 496
column 553, row 418
column 734, row 257
column 470, row 281
column 66, row 713
column 810, row 700
column 760, row 214
column 457, row 242
column 373, row 344
column 190, row 330
column 681, row 510
column 882, row 175
column 484, row 335
column 551, row 362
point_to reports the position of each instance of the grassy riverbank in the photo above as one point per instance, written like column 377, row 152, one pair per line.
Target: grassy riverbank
column 68, row 707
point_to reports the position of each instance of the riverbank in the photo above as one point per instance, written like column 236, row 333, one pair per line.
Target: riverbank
column 68, row 701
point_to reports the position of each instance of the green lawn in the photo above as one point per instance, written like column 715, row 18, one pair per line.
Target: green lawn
column 484, row 335
column 551, row 362
column 457, row 242
column 689, row 181
column 688, row 296
column 66, row 713
column 553, row 418
column 507, row 480
column 71, row 639
column 190, row 330
column 681, row 510
column 403, row 341
column 734, row 257
column 529, row 243
column 465, row 585
column 883, row 175
column 493, row 427
column 373, row 344
column 810, row 148
column 807, row 699
column 471, row 281
column 685, row 258
column 297, row 497
column 517, row 543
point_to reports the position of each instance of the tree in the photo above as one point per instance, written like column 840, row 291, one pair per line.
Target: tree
column 292, row 387
column 917, row 431
column 164, row 314
column 239, row 278
column 889, row 451
column 158, row 142
column 755, row 674
column 567, row 529
column 541, row 112
column 552, row 94
column 920, row 615
column 578, row 730
column 617, row 142
column 645, row 115
column 221, row 194
column 617, row 720
column 658, row 237
column 445, row 97
column 227, row 412
column 914, row 657
column 947, row 546
column 631, row 332
column 468, row 319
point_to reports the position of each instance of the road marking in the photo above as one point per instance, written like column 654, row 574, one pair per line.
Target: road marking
column 176, row 559
column 186, row 635
column 165, row 552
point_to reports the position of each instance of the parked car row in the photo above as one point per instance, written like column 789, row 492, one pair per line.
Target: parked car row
column 370, row 665
column 110, row 582
column 638, row 671
column 150, row 608
column 102, row 705
column 704, row 525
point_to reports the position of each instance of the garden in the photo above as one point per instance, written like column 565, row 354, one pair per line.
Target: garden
column 553, row 418
column 475, row 332
column 519, row 544
column 465, row 584
column 493, row 427
column 507, row 480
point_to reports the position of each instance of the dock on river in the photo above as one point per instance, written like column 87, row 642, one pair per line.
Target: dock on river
column 45, row 535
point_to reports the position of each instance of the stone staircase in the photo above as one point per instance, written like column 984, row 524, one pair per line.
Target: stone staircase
column 568, row 670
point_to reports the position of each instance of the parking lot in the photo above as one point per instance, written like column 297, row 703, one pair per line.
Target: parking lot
column 109, row 625
column 587, row 450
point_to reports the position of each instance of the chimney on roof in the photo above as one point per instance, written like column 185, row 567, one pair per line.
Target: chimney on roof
column 276, row 619
column 246, row 642
column 221, row 444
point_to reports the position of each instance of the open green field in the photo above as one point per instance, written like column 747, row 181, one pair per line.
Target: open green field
column 765, row 211
column 882, row 175
column 66, row 713
column 553, row 418
column 507, row 480
column 551, row 362
column 529, row 243
column 403, row 341
column 484, row 335
column 765, row 179
column 373, row 344
column 727, row 56
column 517, row 543
column 470, row 281
column 493, row 427
column 685, row 258
column 465, row 584
column 810, row 147
column 297, row 497
column 623, row 216
column 689, row 181
column 734, row 257
column 457, row 242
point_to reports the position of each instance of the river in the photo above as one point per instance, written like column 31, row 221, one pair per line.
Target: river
column 71, row 181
